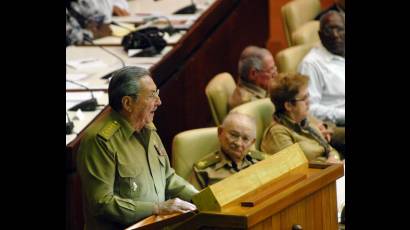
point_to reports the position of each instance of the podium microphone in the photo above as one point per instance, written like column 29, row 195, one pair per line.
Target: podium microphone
column 69, row 125
column 87, row 105
column 169, row 29
column 190, row 9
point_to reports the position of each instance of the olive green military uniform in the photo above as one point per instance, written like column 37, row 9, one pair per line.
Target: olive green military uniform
column 246, row 92
column 217, row 166
column 124, row 173
column 283, row 132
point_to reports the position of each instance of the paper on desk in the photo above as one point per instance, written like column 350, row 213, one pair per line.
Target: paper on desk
column 69, row 138
column 132, row 52
column 82, row 96
column 174, row 38
column 110, row 40
column 120, row 31
column 86, row 63
column 73, row 98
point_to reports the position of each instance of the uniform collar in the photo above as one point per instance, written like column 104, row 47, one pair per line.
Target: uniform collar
column 254, row 89
column 126, row 127
column 225, row 160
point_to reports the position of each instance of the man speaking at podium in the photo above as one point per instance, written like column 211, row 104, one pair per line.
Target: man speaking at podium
column 124, row 170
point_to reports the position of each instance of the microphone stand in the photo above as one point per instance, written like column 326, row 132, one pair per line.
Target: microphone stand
column 69, row 125
column 87, row 105
column 190, row 9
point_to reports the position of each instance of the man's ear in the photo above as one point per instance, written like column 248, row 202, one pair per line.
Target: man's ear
column 252, row 74
column 126, row 103
column 220, row 129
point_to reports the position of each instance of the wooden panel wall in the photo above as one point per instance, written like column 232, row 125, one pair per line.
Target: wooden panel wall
column 184, row 104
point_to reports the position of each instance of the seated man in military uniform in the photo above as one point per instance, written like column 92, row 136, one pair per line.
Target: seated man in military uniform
column 236, row 135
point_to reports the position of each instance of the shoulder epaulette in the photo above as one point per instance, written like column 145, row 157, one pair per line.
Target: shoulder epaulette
column 108, row 130
column 258, row 155
column 208, row 161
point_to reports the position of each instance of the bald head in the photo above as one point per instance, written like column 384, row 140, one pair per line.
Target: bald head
column 236, row 135
column 233, row 119
column 248, row 51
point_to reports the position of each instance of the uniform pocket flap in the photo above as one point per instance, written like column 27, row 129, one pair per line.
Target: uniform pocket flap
column 128, row 170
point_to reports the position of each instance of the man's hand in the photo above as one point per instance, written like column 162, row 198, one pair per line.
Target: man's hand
column 117, row 11
column 172, row 206
column 333, row 160
column 327, row 133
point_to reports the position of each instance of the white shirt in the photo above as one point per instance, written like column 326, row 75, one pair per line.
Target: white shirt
column 105, row 7
column 326, row 72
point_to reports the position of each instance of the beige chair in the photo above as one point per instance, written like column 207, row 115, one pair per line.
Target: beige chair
column 296, row 13
column 288, row 59
column 262, row 110
column 190, row 146
column 218, row 91
column 307, row 33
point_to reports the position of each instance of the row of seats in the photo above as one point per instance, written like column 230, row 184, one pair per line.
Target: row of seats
column 222, row 85
column 301, row 31
column 298, row 21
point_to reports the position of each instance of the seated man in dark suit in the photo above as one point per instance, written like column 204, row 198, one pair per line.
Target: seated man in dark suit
column 236, row 135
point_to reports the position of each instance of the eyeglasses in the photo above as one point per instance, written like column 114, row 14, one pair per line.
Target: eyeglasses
column 154, row 94
column 234, row 136
column 270, row 71
column 302, row 99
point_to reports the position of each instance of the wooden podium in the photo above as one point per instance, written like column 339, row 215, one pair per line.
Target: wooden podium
column 289, row 194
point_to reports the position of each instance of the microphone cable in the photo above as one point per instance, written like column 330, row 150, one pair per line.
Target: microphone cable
column 106, row 50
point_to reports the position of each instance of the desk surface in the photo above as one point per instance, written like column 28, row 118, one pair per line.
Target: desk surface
column 108, row 64
column 83, row 118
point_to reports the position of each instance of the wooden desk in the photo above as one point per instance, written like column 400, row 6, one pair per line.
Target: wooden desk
column 310, row 203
